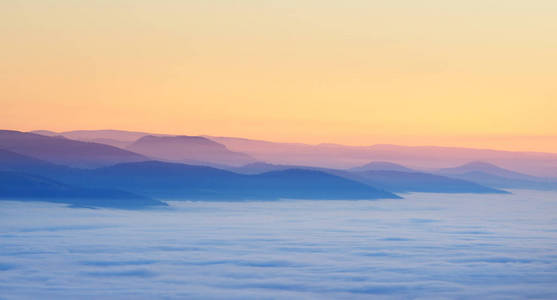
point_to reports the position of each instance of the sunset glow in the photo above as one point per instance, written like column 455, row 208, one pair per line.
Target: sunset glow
column 478, row 73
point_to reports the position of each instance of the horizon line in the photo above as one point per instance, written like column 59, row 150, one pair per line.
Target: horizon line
column 480, row 148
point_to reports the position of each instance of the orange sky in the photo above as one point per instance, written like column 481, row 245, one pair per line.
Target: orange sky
column 476, row 73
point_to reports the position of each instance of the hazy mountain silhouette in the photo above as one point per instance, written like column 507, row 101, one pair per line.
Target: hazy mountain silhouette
column 14, row 161
column 25, row 187
column 425, row 158
column 45, row 132
column 115, row 138
column 422, row 157
column 180, row 181
column 107, row 135
column 311, row 184
column 188, row 149
column 484, row 167
column 111, row 142
column 262, row 167
column 65, row 151
column 381, row 166
column 492, row 175
column 393, row 181
column 396, row 181
column 26, row 178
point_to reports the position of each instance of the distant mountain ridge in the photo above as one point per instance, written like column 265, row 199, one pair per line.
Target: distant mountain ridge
column 262, row 167
column 25, row 178
column 422, row 157
column 65, row 151
column 10, row 160
column 200, row 168
column 480, row 166
column 187, row 149
column 492, row 175
column 180, row 181
column 382, row 166
column 176, row 148
column 26, row 187
column 380, row 176
column 90, row 135
column 402, row 182
column 337, row 156
column 394, row 181
column 188, row 182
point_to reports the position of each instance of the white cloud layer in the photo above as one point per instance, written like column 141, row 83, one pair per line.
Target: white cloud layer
column 425, row 246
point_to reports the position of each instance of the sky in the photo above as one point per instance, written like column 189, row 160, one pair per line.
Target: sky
column 476, row 73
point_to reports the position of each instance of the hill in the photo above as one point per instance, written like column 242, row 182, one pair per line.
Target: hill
column 492, row 175
column 381, row 166
column 422, row 157
column 10, row 160
column 180, row 181
column 65, row 151
column 168, row 179
column 401, row 182
column 262, row 167
column 188, row 149
column 393, row 181
column 25, row 187
column 342, row 156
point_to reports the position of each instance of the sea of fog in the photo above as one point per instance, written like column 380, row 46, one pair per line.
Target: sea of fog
column 428, row 246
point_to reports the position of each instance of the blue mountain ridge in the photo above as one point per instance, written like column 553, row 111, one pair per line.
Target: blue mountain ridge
column 26, row 187
column 179, row 181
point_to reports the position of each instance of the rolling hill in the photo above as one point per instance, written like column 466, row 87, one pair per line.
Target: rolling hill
column 495, row 176
column 188, row 149
column 65, row 151
column 381, row 166
column 421, row 157
column 25, row 187
column 180, row 181
column 400, row 182
column 393, row 181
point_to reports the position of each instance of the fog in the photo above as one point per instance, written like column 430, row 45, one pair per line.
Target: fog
column 424, row 246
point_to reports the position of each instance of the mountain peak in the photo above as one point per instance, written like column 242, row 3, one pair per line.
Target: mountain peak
column 189, row 149
column 484, row 167
column 382, row 166
column 64, row 151
column 480, row 164
column 197, row 140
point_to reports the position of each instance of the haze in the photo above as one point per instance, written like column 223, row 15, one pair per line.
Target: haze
column 449, row 73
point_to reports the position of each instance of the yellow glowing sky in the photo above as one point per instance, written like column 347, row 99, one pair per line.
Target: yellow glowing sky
column 463, row 73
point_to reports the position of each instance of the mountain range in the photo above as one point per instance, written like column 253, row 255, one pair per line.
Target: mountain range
column 188, row 149
column 381, row 166
column 27, row 187
column 421, row 158
column 424, row 158
column 179, row 181
column 492, row 175
column 135, row 182
column 133, row 169
column 387, row 176
column 65, row 151
column 402, row 182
